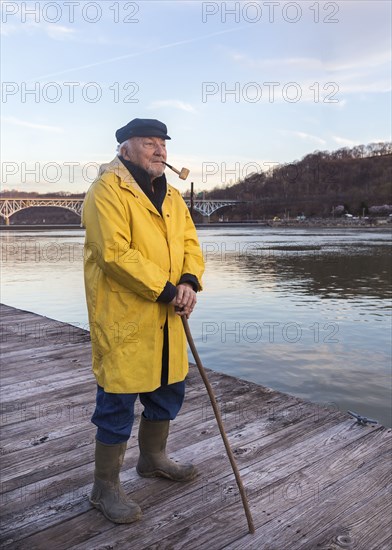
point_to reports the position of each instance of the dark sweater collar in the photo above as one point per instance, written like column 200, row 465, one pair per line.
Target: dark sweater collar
column 141, row 177
column 143, row 180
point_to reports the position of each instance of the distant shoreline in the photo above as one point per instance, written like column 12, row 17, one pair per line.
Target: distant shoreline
column 293, row 224
column 38, row 227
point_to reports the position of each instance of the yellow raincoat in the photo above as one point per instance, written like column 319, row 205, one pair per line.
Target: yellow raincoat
column 131, row 251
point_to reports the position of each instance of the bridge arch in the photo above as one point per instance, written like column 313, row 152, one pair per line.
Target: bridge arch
column 207, row 207
column 8, row 207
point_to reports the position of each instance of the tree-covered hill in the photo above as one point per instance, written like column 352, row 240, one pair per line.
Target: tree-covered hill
column 321, row 183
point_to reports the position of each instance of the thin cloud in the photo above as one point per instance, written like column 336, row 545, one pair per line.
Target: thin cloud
column 59, row 32
column 7, row 30
column 345, row 142
column 176, row 104
column 306, row 64
column 310, row 137
column 54, row 32
column 354, row 74
column 137, row 54
column 43, row 127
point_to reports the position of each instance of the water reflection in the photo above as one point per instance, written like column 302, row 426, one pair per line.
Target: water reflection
column 312, row 270
column 306, row 313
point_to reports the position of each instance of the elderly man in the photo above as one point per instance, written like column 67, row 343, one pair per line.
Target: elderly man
column 143, row 267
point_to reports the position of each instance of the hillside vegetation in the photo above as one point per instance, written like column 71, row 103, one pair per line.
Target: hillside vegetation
column 321, row 184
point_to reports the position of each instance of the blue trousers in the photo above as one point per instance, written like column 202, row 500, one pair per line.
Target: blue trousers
column 114, row 412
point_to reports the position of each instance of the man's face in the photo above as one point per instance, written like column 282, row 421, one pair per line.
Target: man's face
column 148, row 153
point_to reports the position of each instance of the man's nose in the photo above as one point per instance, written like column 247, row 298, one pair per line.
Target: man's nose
column 159, row 149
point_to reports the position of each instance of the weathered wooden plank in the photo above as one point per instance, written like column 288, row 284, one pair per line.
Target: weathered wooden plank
column 14, row 338
column 361, row 529
column 68, row 404
column 216, row 463
column 217, row 467
column 240, row 411
column 177, row 511
column 269, row 508
column 358, row 496
column 18, row 417
column 62, row 417
column 37, row 333
column 72, row 449
column 43, row 363
column 177, row 439
column 40, row 386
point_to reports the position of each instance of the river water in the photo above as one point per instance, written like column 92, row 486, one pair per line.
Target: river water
column 304, row 311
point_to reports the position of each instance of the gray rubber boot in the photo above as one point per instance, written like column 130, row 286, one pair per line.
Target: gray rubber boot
column 153, row 461
column 107, row 494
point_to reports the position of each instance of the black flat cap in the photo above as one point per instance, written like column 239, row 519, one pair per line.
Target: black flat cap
column 142, row 127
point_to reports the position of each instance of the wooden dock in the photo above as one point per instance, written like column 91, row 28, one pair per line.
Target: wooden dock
column 315, row 478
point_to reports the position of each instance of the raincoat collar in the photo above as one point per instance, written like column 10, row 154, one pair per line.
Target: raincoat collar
column 128, row 182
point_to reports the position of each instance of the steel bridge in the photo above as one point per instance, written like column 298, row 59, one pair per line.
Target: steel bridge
column 207, row 207
column 11, row 206
column 8, row 207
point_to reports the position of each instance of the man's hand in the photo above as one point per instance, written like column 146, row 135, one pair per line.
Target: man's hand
column 185, row 299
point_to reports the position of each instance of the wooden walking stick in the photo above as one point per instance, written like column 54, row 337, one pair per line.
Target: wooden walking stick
column 220, row 423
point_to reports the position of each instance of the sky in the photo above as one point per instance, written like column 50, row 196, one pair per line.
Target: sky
column 241, row 86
